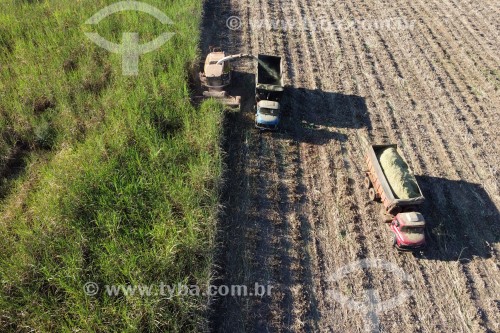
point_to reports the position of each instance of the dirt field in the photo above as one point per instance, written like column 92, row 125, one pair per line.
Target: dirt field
column 295, row 208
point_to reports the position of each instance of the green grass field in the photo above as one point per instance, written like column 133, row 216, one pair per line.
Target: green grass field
column 104, row 178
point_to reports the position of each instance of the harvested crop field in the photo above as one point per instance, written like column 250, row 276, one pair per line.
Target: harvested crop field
column 296, row 211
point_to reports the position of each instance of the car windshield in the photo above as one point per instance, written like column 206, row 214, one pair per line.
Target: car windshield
column 413, row 230
column 272, row 112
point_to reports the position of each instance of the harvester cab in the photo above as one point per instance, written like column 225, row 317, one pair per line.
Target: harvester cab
column 216, row 76
column 409, row 231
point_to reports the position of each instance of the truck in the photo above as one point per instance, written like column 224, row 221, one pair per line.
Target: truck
column 268, row 91
column 407, row 224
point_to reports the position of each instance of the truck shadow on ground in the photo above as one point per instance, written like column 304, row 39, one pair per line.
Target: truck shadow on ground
column 462, row 221
column 316, row 116
column 309, row 116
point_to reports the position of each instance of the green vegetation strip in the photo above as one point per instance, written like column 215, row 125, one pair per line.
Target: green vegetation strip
column 104, row 178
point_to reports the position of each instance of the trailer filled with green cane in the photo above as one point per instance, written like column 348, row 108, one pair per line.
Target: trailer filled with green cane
column 390, row 181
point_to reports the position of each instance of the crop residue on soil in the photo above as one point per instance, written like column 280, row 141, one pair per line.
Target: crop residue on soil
column 295, row 206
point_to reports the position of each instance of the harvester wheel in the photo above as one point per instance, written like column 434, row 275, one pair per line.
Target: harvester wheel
column 367, row 182
column 372, row 194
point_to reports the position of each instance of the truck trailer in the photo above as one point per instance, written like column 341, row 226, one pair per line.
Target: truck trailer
column 268, row 91
column 407, row 224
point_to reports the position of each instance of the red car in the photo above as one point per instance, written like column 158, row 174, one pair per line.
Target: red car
column 409, row 231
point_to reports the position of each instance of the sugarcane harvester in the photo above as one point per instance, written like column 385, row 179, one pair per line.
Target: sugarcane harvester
column 216, row 76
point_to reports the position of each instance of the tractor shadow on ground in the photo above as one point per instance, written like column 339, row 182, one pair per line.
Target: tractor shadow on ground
column 462, row 221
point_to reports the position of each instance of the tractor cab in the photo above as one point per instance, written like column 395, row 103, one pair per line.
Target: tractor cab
column 409, row 231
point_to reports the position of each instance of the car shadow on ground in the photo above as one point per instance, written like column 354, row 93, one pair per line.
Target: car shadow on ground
column 462, row 220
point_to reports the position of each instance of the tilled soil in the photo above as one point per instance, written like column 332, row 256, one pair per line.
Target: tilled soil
column 295, row 209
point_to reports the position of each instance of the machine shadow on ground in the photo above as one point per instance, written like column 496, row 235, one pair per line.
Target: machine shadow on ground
column 312, row 116
column 308, row 116
column 462, row 220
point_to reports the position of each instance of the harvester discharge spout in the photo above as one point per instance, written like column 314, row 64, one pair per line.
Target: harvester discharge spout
column 236, row 56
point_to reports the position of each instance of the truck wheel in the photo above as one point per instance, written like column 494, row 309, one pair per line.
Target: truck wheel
column 394, row 241
column 410, row 209
column 387, row 217
column 372, row 194
column 367, row 183
column 395, row 210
